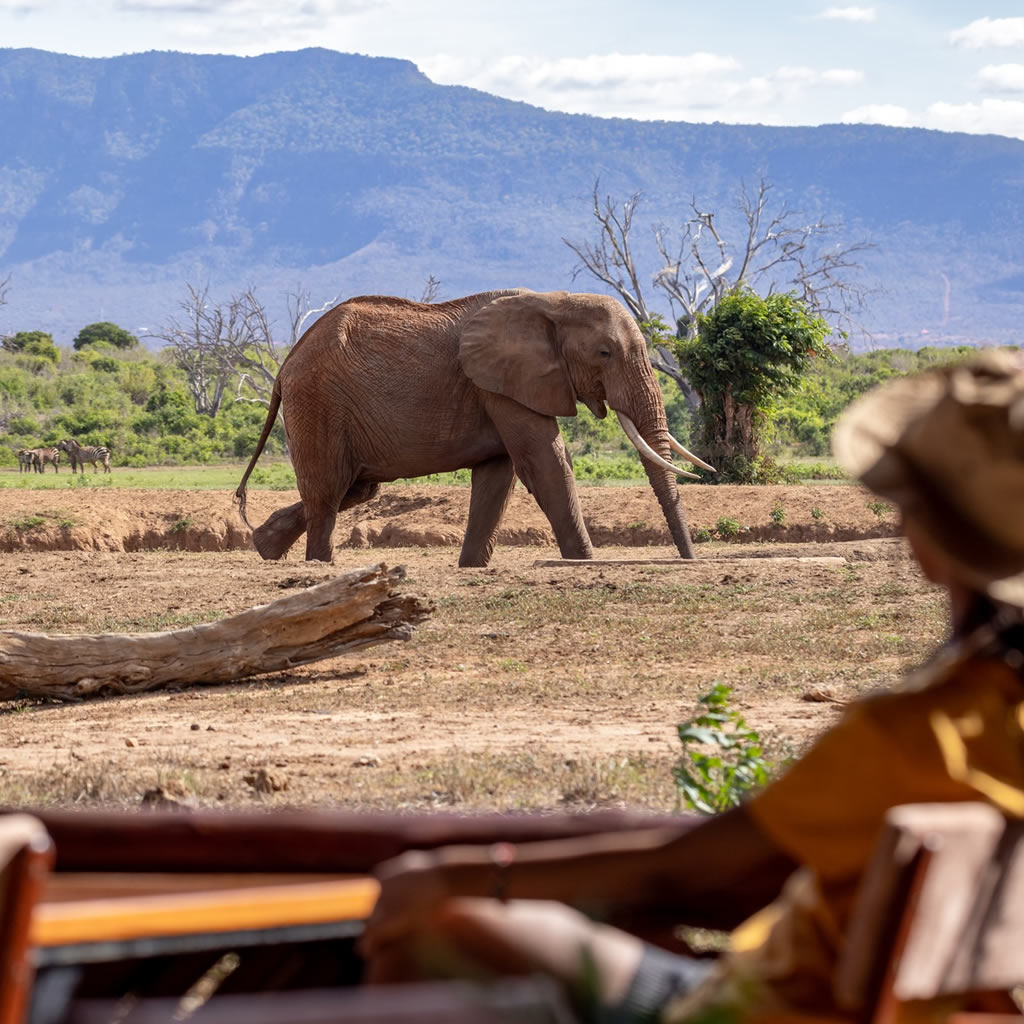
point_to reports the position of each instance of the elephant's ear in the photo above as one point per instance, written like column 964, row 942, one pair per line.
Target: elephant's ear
column 510, row 347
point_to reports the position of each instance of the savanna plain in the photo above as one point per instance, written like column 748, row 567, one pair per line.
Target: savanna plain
column 531, row 686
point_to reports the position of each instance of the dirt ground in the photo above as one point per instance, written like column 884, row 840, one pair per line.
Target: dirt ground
column 530, row 685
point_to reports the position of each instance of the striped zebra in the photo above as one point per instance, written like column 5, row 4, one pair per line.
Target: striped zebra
column 81, row 454
column 42, row 456
column 26, row 460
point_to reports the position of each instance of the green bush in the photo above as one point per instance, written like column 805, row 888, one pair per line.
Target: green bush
column 600, row 468
column 32, row 343
column 723, row 758
column 104, row 332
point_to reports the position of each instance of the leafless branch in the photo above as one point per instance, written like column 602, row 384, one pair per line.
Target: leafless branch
column 214, row 344
column 5, row 284
column 610, row 259
column 431, row 289
column 300, row 313
column 699, row 266
column 194, row 340
column 777, row 250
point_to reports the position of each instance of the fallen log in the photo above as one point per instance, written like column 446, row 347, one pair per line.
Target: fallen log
column 356, row 610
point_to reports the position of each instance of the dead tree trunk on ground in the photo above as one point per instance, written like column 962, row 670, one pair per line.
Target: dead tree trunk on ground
column 356, row 610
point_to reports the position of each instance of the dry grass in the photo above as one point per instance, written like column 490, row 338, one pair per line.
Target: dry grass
column 530, row 687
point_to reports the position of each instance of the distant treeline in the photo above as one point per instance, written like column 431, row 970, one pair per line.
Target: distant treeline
column 135, row 402
column 804, row 420
column 138, row 404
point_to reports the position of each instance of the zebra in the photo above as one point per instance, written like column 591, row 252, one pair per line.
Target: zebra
column 42, row 456
column 26, row 460
column 81, row 454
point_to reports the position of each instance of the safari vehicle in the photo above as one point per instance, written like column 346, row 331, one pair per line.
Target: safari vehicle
column 231, row 917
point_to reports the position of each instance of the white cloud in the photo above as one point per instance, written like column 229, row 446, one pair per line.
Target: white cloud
column 878, row 113
column 842, row 76
column 698, row 86
column 861, row 14
column 249, row 8
column 989, row 32
column 252, row 25
column 1002, row 77
column 998, row 117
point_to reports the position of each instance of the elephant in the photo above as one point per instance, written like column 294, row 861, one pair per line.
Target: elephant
column 382, row 388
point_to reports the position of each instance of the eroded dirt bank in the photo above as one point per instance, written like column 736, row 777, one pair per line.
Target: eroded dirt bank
column 410, row 516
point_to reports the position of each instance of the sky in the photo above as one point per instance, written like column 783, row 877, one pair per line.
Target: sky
column 953, row 65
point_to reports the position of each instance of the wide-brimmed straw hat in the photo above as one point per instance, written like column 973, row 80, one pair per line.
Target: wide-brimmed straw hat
column 947, row 447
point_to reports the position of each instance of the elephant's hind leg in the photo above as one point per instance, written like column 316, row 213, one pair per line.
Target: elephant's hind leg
column 281, row 530
column 493, row 481
column 322, row 514
column 320, row 519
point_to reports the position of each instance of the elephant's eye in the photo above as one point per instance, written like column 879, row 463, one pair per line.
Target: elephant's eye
column 604, row 353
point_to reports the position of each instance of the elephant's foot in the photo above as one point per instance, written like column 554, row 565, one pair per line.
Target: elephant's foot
column 284, row 527
column 577, row 550
column 474, row 559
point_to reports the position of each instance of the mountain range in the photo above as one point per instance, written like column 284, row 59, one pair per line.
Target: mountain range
column 124, row 179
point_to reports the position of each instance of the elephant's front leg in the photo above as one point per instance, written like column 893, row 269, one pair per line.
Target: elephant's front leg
column 493, row 481
column 542, row 463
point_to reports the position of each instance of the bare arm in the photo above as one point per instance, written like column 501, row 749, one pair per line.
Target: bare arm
column 712, row 874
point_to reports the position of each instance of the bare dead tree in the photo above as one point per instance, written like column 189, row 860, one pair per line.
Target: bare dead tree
column 431, row 289
column 700, row 266
column 195, row 340
column 778, row 249
column 215, row 344
column 5, row 284
column 257, row 354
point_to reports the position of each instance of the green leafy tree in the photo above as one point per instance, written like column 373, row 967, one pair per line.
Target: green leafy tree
column 104, row 331
column 32, row 343
column 747, row 353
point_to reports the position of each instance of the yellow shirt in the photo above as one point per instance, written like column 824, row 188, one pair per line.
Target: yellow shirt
column 955, row 732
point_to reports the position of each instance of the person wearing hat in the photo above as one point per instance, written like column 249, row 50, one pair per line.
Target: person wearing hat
column 781, row 871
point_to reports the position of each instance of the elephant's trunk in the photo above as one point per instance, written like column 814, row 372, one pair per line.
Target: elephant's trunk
column 652, row 429
column 665, row 487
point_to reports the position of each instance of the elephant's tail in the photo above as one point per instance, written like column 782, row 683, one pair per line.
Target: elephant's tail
column 240, row 494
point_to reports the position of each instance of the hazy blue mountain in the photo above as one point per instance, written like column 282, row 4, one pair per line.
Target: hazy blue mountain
column 123, row 178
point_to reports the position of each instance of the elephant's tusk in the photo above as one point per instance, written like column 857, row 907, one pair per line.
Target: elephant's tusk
column 646, row 450
column 689, row 455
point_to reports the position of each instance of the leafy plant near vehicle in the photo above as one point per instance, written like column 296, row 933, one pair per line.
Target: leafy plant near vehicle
column 722, row 760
